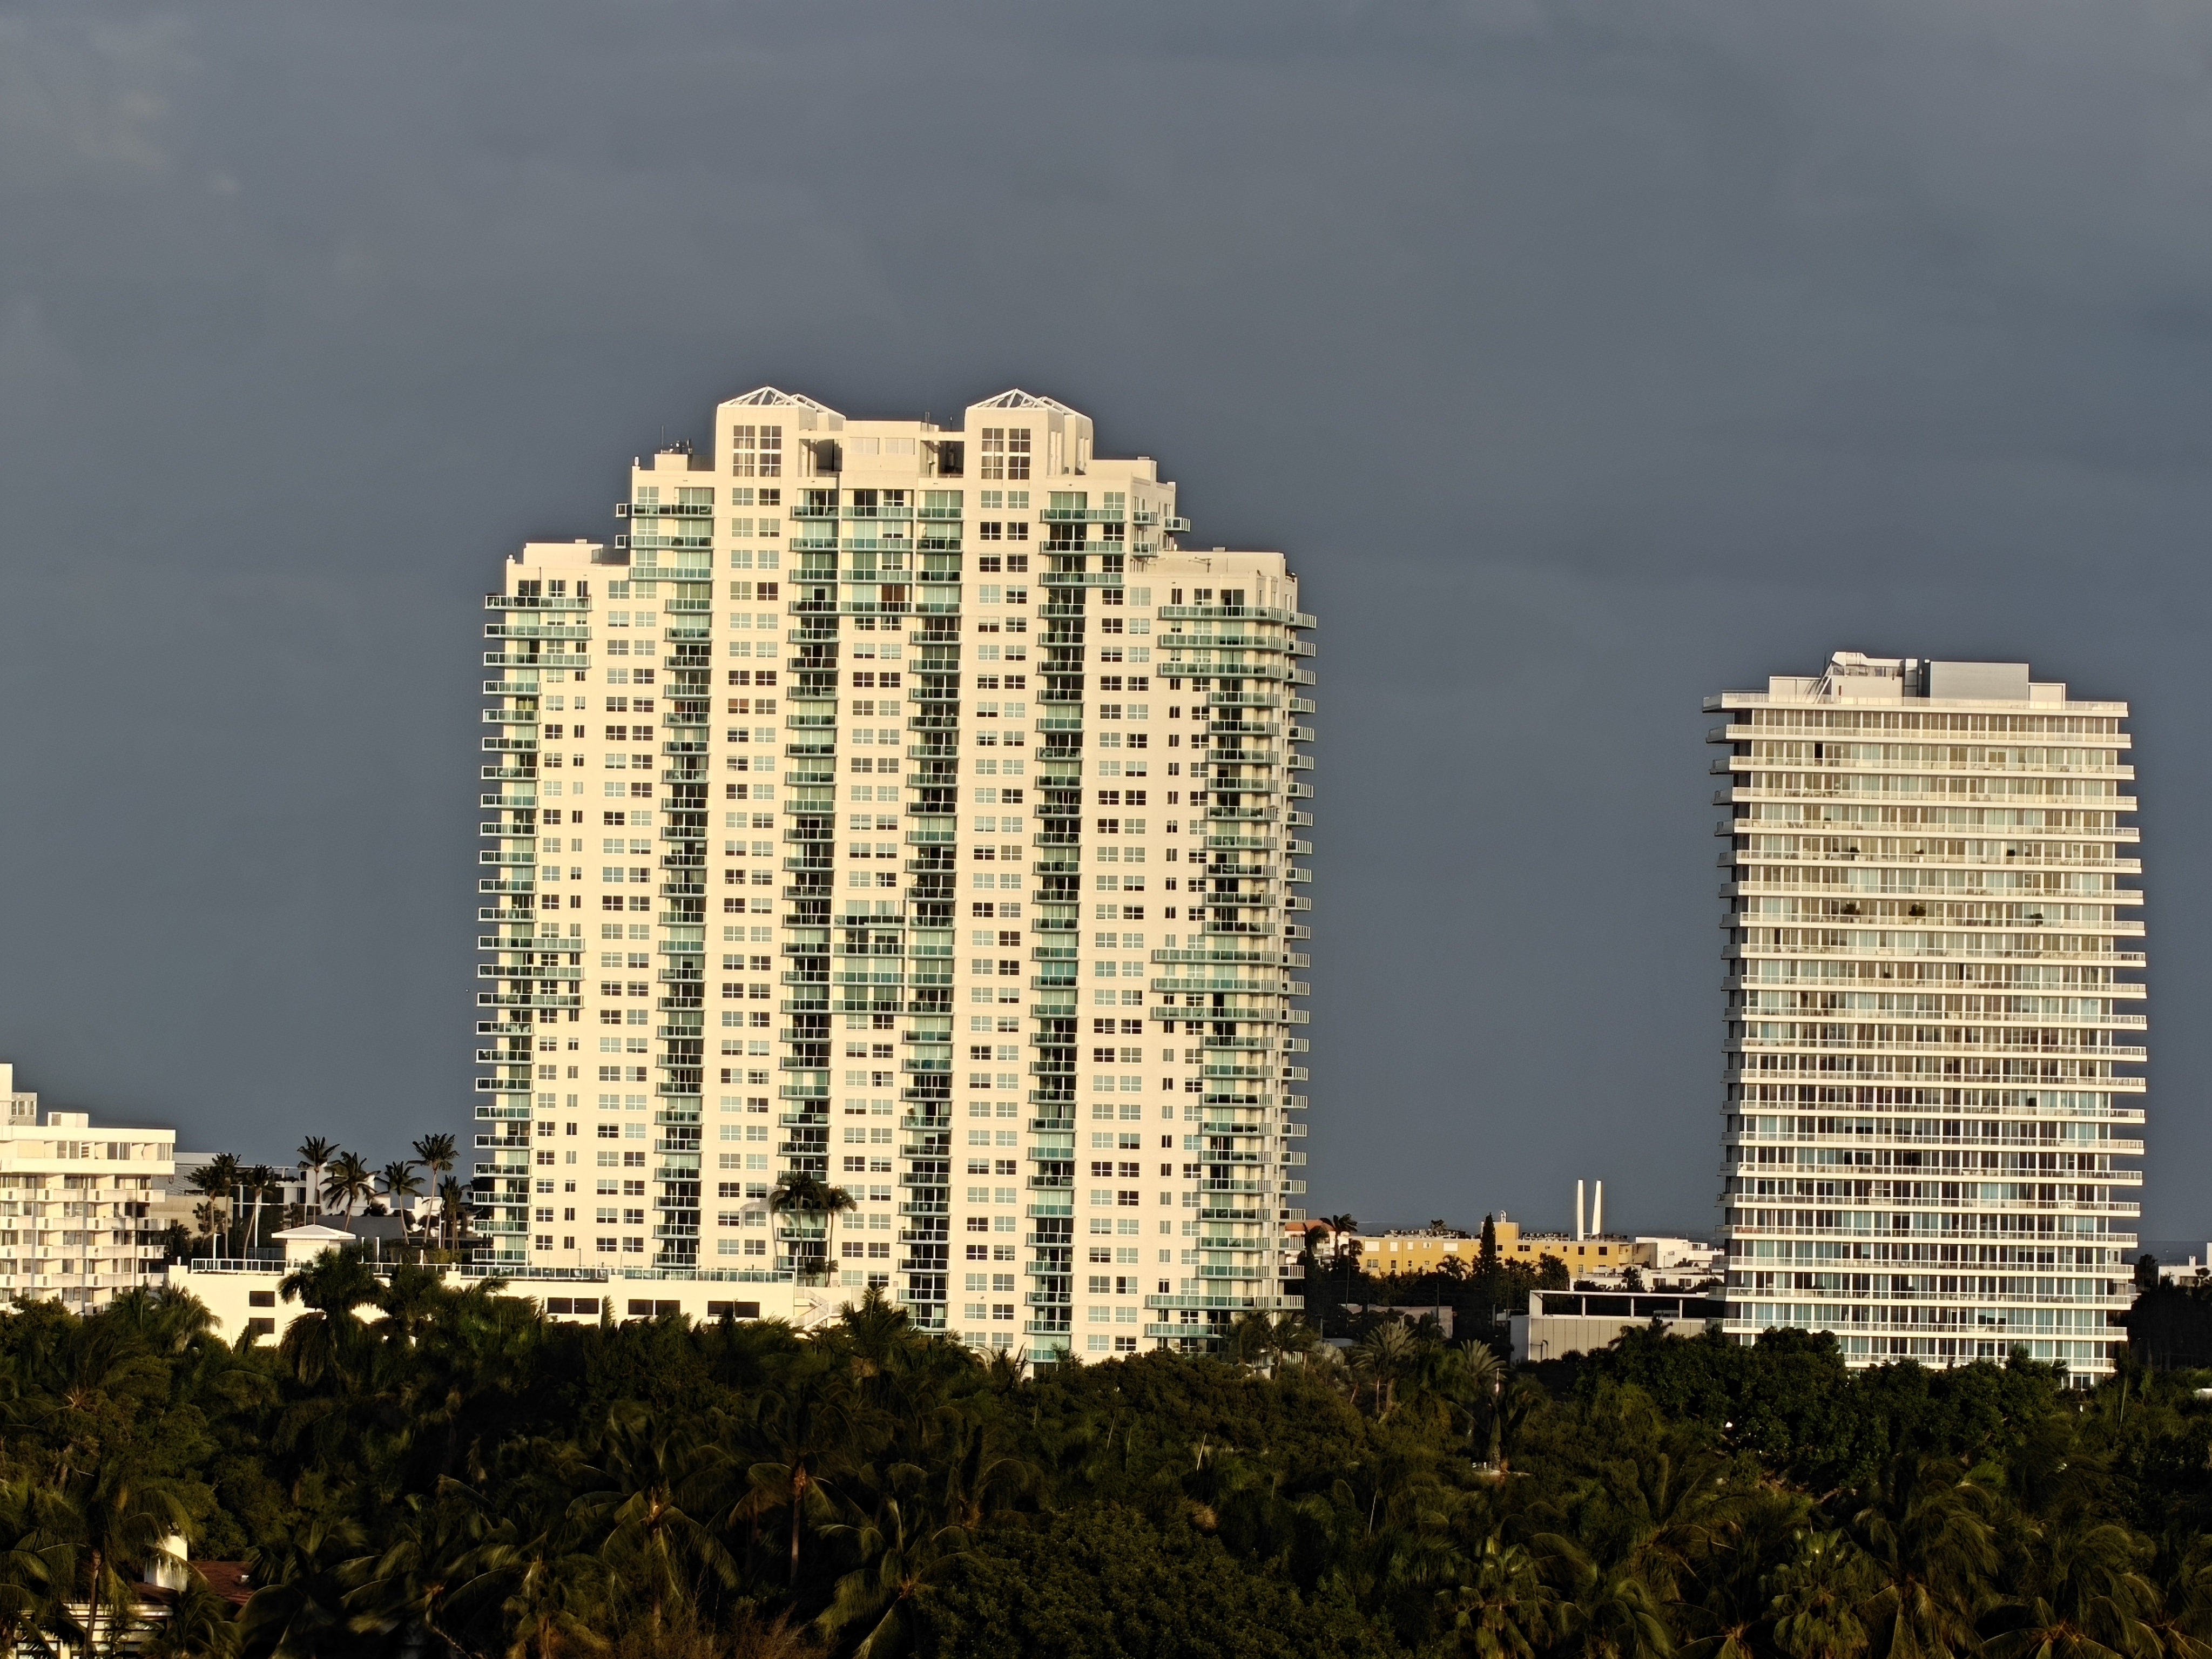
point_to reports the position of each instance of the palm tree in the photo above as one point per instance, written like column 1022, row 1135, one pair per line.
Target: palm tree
column 38, row 1564
column 439, row 1154
column 807, row 1423
column 1260, row 1339
column 1934, row 1555
column 1344, row 1249
column 261, row 1182
column 198, row 1625
column 1483, row 1377
column 1383, row 1355
column 298, row 1605
column 400, row 1182
column 553, row 1608
column 209, row 1218
column 348, row 1182
column 1247, row 1343
column 653, row 1480
column 804, row 1193
column 1817, row 1596
column 452, row 1211
column 1611, row 1612
column 314, row 1153
column 2088, row 1596
column 218, row 1178
column 903, row 1551
column 123, row 1521
column 1504, row 1609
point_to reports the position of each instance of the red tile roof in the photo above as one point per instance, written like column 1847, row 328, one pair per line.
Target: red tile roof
column 227, row 1579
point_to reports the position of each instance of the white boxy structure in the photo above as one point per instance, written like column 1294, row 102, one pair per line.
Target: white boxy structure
column 246, row 1299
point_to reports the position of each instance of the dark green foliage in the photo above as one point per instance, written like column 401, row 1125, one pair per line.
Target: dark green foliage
column 1789, row 1401
column 1103, row 1582
column 1476, row 1295
column 417, row 1470
column 2170, row 1326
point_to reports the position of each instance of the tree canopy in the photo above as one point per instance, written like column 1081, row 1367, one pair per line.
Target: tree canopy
column 418, row 1469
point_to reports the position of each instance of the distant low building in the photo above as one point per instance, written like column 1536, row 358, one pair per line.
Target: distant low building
column 246, row 1298
column 1429, row 1249
column 296, row 1193
column 1683, row 1264
column 1563, row 1322
column 2194, row 1270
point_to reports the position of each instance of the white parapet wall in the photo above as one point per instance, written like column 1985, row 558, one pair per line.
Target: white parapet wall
column 246, row 1299
column 1563, row 1322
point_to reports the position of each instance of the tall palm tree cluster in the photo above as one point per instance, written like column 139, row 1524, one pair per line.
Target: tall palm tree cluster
column 243, row 1203
column 421, row 1470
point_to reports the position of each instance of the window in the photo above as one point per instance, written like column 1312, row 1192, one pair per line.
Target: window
column 757, row 452
column 1006, row 451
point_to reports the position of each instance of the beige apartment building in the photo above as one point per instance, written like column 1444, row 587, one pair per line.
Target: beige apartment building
column 903, row 805
column 1429, row 1249
column 1934, row 973
column 74, row 1199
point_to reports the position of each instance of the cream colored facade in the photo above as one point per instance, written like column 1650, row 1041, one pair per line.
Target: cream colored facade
column 1391, row 1254
column 246, row 1297
column 74, row 1201
column 899, row 803
column 1933, row 1053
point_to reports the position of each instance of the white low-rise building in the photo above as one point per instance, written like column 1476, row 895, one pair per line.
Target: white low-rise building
column 245, row 1296
column 2187, row 1273
column 1563, row 1322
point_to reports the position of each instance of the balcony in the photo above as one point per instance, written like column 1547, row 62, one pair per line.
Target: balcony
column 1079, row 578
column 511, row 630
column 506, row 602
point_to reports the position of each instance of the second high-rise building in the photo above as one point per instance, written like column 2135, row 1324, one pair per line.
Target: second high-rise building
column 1934, row 1059
column 900, row 805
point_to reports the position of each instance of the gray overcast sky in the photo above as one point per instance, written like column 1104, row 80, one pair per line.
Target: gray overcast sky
column 1585, row 358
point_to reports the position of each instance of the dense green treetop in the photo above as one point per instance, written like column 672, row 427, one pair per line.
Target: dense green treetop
column 421, row 1470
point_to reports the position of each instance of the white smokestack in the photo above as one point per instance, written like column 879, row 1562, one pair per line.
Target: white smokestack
column 1578, row 1210
column 1597, row 1210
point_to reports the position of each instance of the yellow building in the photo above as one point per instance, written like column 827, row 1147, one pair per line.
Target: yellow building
column 1430, row 1248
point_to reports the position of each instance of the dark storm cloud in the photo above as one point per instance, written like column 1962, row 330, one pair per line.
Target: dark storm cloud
column 1586, row 359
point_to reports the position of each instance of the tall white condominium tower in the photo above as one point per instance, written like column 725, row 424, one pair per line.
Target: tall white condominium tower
column 1933, row 1060
column 899, row 804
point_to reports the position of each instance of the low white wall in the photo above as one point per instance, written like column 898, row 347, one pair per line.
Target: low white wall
column 242, row 1300
column 1554, row 1336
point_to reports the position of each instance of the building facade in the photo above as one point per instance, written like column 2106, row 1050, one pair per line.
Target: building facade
column 899, row 804
column 1934, row 1060
column 75, row 1226
column 1434, row 1250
